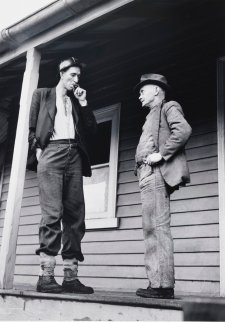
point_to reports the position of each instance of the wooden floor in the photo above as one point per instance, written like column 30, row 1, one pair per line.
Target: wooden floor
column 99, row 296
column 24, row 303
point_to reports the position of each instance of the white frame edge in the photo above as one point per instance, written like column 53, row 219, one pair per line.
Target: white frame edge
column 103, row 223
column 109, row 113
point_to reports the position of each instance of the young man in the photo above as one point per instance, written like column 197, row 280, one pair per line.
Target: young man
column 161, row 168
column 60, row 121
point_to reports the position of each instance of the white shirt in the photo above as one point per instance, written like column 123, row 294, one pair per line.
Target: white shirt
column 64, row 124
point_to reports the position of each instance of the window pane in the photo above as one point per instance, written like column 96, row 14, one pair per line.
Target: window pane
column 99, row 150
column 96, row 192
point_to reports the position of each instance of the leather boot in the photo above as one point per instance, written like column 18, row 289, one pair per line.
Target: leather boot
column 161, row 293
column 75, row 286
column 71, row 284
column 48, row 284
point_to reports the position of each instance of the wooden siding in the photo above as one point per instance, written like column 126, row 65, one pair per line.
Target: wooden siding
column 115, row 258
column 194, row 209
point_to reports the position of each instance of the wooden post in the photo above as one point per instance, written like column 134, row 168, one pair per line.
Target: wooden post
column 18, row 170
column 1, row 179
column 221, row 166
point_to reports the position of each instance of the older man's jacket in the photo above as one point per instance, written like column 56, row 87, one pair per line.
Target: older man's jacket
column 41, row 125
column 173, row 133
column 170, row 132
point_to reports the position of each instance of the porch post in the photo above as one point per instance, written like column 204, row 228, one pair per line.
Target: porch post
column 221, row 166
column 18, row 170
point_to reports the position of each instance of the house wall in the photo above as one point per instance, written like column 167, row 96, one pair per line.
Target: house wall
column 115, row 258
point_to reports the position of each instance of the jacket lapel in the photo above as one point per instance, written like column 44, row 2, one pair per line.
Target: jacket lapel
column 154, row 125
column 50, row 103
column 75, row 109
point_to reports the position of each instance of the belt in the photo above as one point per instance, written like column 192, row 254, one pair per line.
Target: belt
column 138, row 164
column 63, row 141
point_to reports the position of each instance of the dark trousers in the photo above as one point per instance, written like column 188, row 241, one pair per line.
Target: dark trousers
column 62, row 200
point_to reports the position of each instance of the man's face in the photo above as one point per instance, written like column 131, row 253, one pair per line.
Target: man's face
column 147, row 94
column 70, row 78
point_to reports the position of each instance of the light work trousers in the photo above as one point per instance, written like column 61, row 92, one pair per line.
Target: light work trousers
column 155, row 198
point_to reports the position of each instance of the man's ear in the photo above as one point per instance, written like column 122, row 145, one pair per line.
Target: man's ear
column 156, row 90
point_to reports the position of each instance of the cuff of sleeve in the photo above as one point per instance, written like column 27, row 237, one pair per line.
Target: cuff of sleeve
column 33, row 144
column 83, row 103
column 164, row 155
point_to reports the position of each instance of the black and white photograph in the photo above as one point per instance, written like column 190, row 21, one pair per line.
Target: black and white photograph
column 112, row 160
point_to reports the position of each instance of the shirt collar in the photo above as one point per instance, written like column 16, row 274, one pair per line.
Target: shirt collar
column 156, row 106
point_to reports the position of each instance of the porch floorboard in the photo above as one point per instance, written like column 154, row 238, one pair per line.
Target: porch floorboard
column 23, row 301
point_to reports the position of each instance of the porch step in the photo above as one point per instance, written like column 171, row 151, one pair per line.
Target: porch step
column 102, row 305
column 24, row 303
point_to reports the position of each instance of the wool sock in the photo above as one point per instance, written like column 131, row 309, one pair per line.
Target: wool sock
column 47, row 265
column 70, row 268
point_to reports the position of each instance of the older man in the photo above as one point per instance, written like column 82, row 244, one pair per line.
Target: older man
column 60, row 121
column 161, row 168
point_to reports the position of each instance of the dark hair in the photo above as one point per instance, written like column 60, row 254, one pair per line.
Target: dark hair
column 69, row 62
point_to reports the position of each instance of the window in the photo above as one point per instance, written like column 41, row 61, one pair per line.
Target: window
column 100, row 189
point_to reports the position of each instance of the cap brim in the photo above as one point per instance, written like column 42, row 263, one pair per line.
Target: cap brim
column 164, row 86
column 83, row 65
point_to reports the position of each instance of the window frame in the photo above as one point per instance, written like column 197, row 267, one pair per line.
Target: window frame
column 104, row 114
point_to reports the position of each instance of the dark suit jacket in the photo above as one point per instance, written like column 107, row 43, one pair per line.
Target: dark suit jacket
column 171, row 132
column 41, row 125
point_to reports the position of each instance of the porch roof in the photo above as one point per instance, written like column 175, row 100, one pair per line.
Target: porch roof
column 126, row 36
